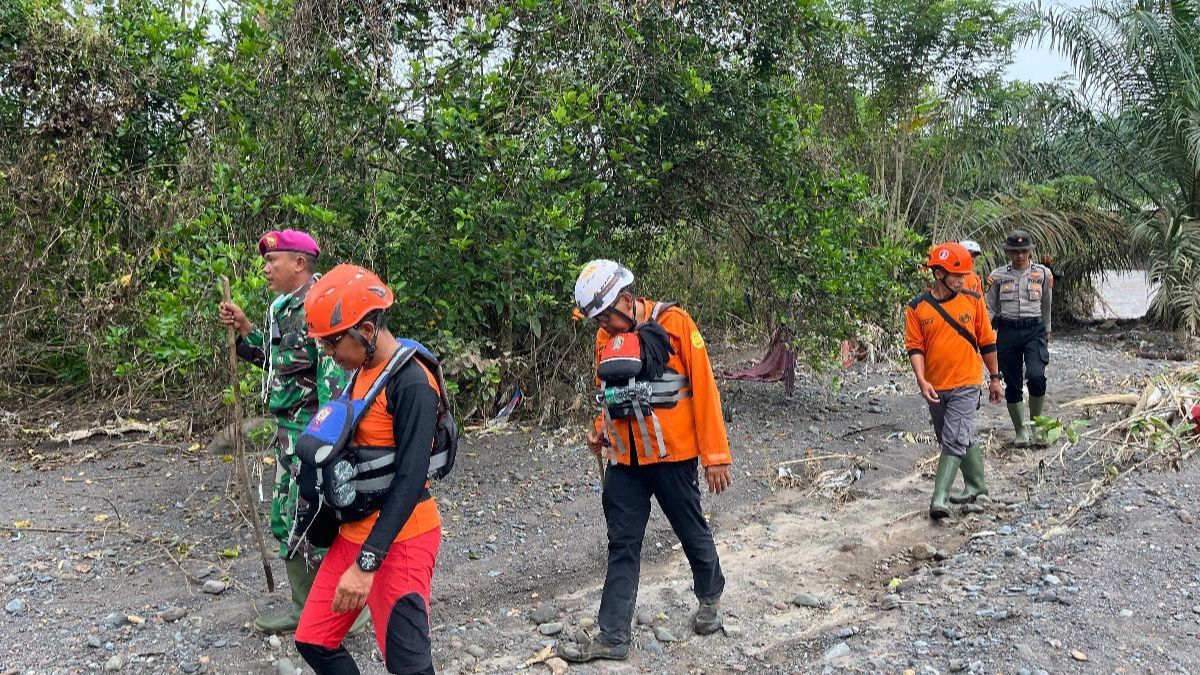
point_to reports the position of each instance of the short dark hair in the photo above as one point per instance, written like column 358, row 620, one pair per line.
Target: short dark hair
column 377, row 317
column 310, row 261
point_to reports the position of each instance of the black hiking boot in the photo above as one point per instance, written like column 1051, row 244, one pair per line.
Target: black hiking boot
column 592, row 650
column 708, row 617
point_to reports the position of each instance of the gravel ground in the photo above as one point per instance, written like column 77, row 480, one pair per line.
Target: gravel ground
column 126, row 554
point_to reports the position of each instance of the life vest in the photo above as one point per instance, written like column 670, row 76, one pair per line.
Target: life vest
column 353, row 479
column 628, row 392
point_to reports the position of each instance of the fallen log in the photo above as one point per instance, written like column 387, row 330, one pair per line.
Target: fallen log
column 1104, row 399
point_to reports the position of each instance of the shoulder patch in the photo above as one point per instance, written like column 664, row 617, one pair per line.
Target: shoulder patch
column 697, row 340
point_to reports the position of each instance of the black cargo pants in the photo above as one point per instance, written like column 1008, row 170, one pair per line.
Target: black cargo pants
column 1023, row 355
column 626, row 498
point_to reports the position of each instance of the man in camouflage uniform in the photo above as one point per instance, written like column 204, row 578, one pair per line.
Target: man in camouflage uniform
column 299, row 378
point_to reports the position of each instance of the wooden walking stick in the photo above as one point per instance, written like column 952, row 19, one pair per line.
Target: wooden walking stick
column 239, row 442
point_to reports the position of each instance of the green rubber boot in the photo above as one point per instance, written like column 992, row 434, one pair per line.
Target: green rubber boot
column 1016, row 412
column 362, row 623
column 300, row 579
column 946, row 472
column 1036, row 404
column 972, row 471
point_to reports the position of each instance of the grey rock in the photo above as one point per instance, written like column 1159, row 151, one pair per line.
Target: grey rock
column 1126, row 613
column 10, row 580
column 220, row 643
column 544, row 613
column 646, row 618
column 189, row 667
column 1051, row 579
column 274, row 642
column 923, row 551
column 550, row 628
column 835, row 652
column 890, row 601
column 286, row 667
column 846, row 632
column 94, row 642
column 663, row 634
column 173, row 614
column 587, row 622
column 213, row 587
column 14, row 606
column 476, row 651
column 115, row 619
column 114, row 664
column 654, row 648
column 732, row 630
column 806, row 600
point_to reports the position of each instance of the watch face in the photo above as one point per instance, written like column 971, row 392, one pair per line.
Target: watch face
column 368, row 561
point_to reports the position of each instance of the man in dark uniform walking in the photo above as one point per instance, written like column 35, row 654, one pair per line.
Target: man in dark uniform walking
column 1018, row 298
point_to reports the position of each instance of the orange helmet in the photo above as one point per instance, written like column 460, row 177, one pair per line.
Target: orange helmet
column 342, row 298
column 952, row 257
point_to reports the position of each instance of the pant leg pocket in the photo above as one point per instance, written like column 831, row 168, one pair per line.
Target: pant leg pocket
column 408, row 645
column 1044, row 352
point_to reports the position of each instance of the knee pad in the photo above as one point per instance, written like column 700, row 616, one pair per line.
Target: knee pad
column 1037, row 386
column 326, row 661
column 408, row 649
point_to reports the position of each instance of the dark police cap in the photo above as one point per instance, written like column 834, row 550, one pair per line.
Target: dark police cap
column 1018, row 240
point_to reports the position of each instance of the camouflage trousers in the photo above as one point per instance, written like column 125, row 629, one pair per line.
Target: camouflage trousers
column 286, row 491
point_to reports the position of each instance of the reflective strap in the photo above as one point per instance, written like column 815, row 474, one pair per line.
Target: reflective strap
column 612, row 435
column 669, row 382
column 662, row 446
column 637, row 411
column 439, row 460
column 659, row 308
column 670, row 388
column 671, row 398
column 378, row 484
column 399, row 358
column 377, row 463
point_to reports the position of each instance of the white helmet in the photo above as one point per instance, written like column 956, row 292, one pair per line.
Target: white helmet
column 972, row 246
column 599, row 285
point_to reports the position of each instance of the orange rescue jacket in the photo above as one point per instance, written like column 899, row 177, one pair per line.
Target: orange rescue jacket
column 694, row 426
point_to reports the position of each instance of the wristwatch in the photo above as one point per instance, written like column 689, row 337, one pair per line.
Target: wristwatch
column 368, row 561
column 995, row 376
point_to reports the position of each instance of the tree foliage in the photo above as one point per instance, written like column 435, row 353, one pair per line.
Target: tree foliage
column 474, row 158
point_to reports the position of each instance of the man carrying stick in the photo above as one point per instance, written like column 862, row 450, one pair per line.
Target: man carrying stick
column 299, row 380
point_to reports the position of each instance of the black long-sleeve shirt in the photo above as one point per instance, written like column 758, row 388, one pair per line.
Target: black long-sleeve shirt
column 413, row 404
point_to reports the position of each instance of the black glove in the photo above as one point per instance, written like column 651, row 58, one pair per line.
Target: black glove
column 656, row 349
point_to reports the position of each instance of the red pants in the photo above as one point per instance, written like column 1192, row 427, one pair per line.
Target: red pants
column 399, row 601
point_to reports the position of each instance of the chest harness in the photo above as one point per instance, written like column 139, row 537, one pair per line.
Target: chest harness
column 635, row 381
column 354, row 479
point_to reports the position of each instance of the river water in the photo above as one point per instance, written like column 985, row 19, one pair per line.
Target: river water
column 1123, row 295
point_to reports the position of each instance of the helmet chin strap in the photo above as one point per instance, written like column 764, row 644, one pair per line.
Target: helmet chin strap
column 942, row 281
column 368, row 345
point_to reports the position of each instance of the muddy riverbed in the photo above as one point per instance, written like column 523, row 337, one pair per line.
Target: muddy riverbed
column 108, row 544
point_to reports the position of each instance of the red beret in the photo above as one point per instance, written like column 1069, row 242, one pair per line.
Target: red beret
column 293, row 241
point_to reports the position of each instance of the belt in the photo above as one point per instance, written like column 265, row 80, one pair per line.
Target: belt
column 1027, row 322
